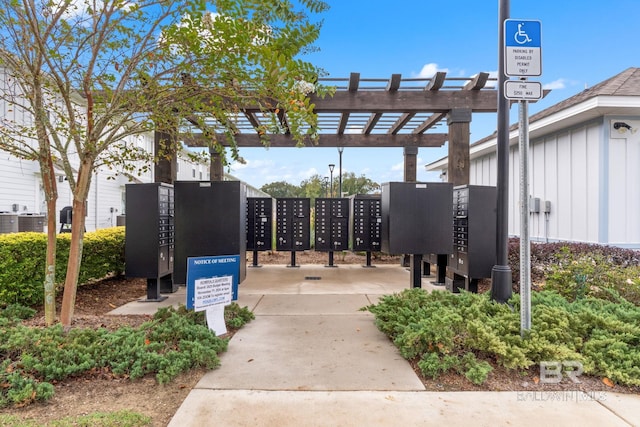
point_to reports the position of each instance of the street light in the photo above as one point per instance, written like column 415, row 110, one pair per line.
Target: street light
column 331, row 166
column 340, row 149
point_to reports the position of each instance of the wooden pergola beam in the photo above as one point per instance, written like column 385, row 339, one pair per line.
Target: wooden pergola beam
column 482, row 101
column 326, row 140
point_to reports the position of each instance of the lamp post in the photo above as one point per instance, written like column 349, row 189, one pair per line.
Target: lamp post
column 331, row 166
column 340, row 150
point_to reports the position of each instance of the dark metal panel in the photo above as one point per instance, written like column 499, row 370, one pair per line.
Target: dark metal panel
column 416, row 217
column 210, row 221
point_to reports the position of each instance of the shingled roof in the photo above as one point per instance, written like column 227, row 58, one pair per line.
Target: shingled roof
column 627, row 83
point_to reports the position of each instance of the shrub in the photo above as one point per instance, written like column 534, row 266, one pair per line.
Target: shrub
column 443, row 331
column 23, row 258
column 174, row 341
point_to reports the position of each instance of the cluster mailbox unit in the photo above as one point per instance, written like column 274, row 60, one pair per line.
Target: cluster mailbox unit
column 474, row 237
column 149, row 237
column 331, row 226
column 416, row 220
column 210, row 221
column 293, row 225
column 259, row 225
column 366, row 224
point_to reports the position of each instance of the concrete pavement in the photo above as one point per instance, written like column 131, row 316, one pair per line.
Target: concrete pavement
column 313, row 358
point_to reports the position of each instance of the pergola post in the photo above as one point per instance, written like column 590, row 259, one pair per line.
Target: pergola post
column 411, row 175
column 216, row 169
column 165, row 169
column 458, row 170
column 410, row 164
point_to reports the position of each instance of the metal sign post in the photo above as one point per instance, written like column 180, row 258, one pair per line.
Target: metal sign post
column 525, row 243
column 522, row 58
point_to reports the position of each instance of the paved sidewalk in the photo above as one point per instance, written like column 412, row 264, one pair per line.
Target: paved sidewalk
column 313, row 358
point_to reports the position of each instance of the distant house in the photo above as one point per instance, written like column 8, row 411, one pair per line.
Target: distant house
column 584, row 164
column 21, row 190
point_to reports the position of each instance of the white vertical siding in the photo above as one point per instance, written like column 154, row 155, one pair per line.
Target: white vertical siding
column 550, row 190
column 17, row 183
column 624, row 185
column 565, row 170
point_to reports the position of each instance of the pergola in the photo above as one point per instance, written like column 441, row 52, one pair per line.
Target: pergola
column 395, row 112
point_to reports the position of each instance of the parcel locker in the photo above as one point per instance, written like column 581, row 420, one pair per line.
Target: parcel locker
column 416, row 217
column 474, row 236
column 210, row 221
column 149, row 236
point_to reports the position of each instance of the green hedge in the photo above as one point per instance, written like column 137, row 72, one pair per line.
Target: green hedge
column 22, row 262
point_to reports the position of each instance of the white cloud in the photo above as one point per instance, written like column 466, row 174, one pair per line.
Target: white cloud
column 252, row 164
column 305, row 174
column 398, row 166
column 429, row 70
column 556, row 84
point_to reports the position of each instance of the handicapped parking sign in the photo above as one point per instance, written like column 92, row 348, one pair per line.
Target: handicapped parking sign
column 522, row 48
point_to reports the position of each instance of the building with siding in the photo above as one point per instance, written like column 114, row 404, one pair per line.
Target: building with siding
column 584, row 166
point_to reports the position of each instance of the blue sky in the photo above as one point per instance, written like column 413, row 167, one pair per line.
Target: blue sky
column 583, row 43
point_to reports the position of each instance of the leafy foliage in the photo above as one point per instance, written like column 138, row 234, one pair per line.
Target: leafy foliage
column 174, row 341
column 318, row 186
column 443, row 331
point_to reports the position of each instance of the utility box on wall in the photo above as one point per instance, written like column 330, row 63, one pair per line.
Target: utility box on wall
column 293, row 224
column 210, row 221
column 366, row 222
column 259, row 223
column 474, row 236
column 149, row 238
column 332, row 224
column 416, row 217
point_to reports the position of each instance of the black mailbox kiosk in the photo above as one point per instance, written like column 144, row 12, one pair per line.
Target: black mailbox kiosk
column 331, row 226
column 149, row 236
column 293, row 225
column 366, row 224
column 259, row 226
column 210, row 221
column 474, row 237
column 416, row 220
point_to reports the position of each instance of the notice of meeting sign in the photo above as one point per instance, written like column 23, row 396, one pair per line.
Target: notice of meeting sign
column 212, row 291
column 212, row 281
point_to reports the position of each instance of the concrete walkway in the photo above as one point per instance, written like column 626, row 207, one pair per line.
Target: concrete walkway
column 313, row 358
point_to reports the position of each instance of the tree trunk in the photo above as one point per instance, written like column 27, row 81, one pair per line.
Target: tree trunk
column 80, row 194
column 51, row 195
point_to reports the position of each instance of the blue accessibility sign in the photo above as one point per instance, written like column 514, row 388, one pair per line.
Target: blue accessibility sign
column 521, row 32
column 523, row 47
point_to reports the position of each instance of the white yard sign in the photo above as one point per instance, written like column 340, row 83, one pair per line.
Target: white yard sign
column 212, row 291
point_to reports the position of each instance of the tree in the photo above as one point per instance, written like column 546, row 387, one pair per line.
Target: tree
column 358, row 185
column 313, row 188
column 281, row 189
column 100, row 73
